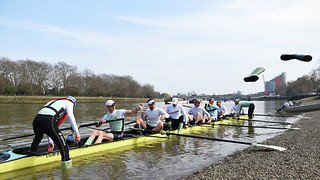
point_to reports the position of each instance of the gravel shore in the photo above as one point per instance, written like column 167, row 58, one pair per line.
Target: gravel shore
column 301, row 160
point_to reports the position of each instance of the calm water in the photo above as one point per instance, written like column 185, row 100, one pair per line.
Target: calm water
column 162, row 159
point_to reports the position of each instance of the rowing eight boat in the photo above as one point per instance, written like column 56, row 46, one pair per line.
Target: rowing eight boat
column 18, row 158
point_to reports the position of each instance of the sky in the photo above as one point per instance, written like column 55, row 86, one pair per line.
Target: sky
column 180, row 46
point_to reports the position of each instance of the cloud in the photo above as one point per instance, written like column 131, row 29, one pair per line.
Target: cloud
column 225, row 39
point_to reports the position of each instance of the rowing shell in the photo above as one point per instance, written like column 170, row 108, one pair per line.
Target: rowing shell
column 18, row 159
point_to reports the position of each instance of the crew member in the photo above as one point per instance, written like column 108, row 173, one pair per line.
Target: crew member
column 198, row 113
column 153, row 117
column 235, row 107
column 242, row 104
column 116, row 120
column 47, row 121
column 222, row 111
column 212, row 110
column 177, row 116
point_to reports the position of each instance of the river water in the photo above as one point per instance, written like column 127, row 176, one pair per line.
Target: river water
column 162, row 159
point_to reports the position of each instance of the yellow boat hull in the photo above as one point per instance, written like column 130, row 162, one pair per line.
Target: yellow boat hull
column 23, row 161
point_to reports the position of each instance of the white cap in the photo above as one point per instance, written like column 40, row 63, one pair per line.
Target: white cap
column 236, row 100
column 110, row 103
column 175, row 100
column 151, row 102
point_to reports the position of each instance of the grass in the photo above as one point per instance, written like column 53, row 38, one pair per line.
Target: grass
column 45, row 99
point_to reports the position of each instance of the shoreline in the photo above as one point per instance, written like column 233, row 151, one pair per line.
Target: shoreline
column 301, row 160
column 45, row 99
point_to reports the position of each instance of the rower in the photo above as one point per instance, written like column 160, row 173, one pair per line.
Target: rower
column 116, row 120
column 285, row 105
column 222, row 111
column 242, row 104
column 212, row 110
column 47, row 121
column 198, row 113
column 177, row 116
column 153, row 117
column 235, row 107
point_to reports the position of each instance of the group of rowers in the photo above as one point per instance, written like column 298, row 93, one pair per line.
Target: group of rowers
column 154, row 118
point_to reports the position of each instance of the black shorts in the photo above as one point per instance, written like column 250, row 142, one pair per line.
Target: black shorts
column 175, row 122
column 149, row 127
column 117, row 135
column 193, row 122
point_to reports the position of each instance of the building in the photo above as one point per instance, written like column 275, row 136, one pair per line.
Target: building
column 270, row 86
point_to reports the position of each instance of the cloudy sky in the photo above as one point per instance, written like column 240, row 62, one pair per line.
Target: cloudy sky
column 206, row 46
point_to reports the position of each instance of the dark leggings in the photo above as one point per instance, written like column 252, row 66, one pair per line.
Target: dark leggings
column 250, row 110
column 175, row 122
column 44, row 124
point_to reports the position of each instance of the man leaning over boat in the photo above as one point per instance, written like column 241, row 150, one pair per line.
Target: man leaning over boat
column 47, row 121
column 242, row 104
column 116, row 120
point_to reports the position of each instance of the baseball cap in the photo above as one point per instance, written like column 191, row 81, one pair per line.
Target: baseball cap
column 151, row 102
column 175, row 100
column 110, row 103
column 72, row 99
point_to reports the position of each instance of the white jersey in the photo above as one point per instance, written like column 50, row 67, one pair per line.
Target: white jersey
column 222, row 108
column 195, row 110
column 234, row 107
column 154, row 116
column 176, row 115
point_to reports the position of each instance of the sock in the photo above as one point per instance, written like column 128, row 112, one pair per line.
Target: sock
column 169, row 126
column 89, row 141
column 180, row 128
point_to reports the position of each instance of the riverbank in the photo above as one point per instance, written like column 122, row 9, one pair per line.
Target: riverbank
column 300, row 160
column 45, row 99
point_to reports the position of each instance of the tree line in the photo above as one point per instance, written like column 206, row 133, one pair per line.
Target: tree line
column 303, row 85
column 27, row 77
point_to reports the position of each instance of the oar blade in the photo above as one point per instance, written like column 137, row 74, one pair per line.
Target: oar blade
column 301, row 57
column 254, row 76
column 278, row 148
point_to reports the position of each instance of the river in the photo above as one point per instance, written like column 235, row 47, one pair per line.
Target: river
column 162, row 159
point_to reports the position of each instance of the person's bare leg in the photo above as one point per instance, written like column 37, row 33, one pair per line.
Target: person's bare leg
column 159, row 127
column 141, row 122
column 198, row 117
column 103, row 135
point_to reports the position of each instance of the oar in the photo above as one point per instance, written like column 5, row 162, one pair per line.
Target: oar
column 301, row 57
column 268, row 127
column 272, row 115
column 168, row 133
column 186, row 106
column 131, row 122
column 62, row 129
column 258, row 120
column 173, row 112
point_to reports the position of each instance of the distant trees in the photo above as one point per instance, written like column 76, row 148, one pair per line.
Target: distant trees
column 303, row 85
column 27, row 77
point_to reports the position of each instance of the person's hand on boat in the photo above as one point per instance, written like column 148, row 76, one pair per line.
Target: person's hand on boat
column 78, row 137
column 50, row 146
